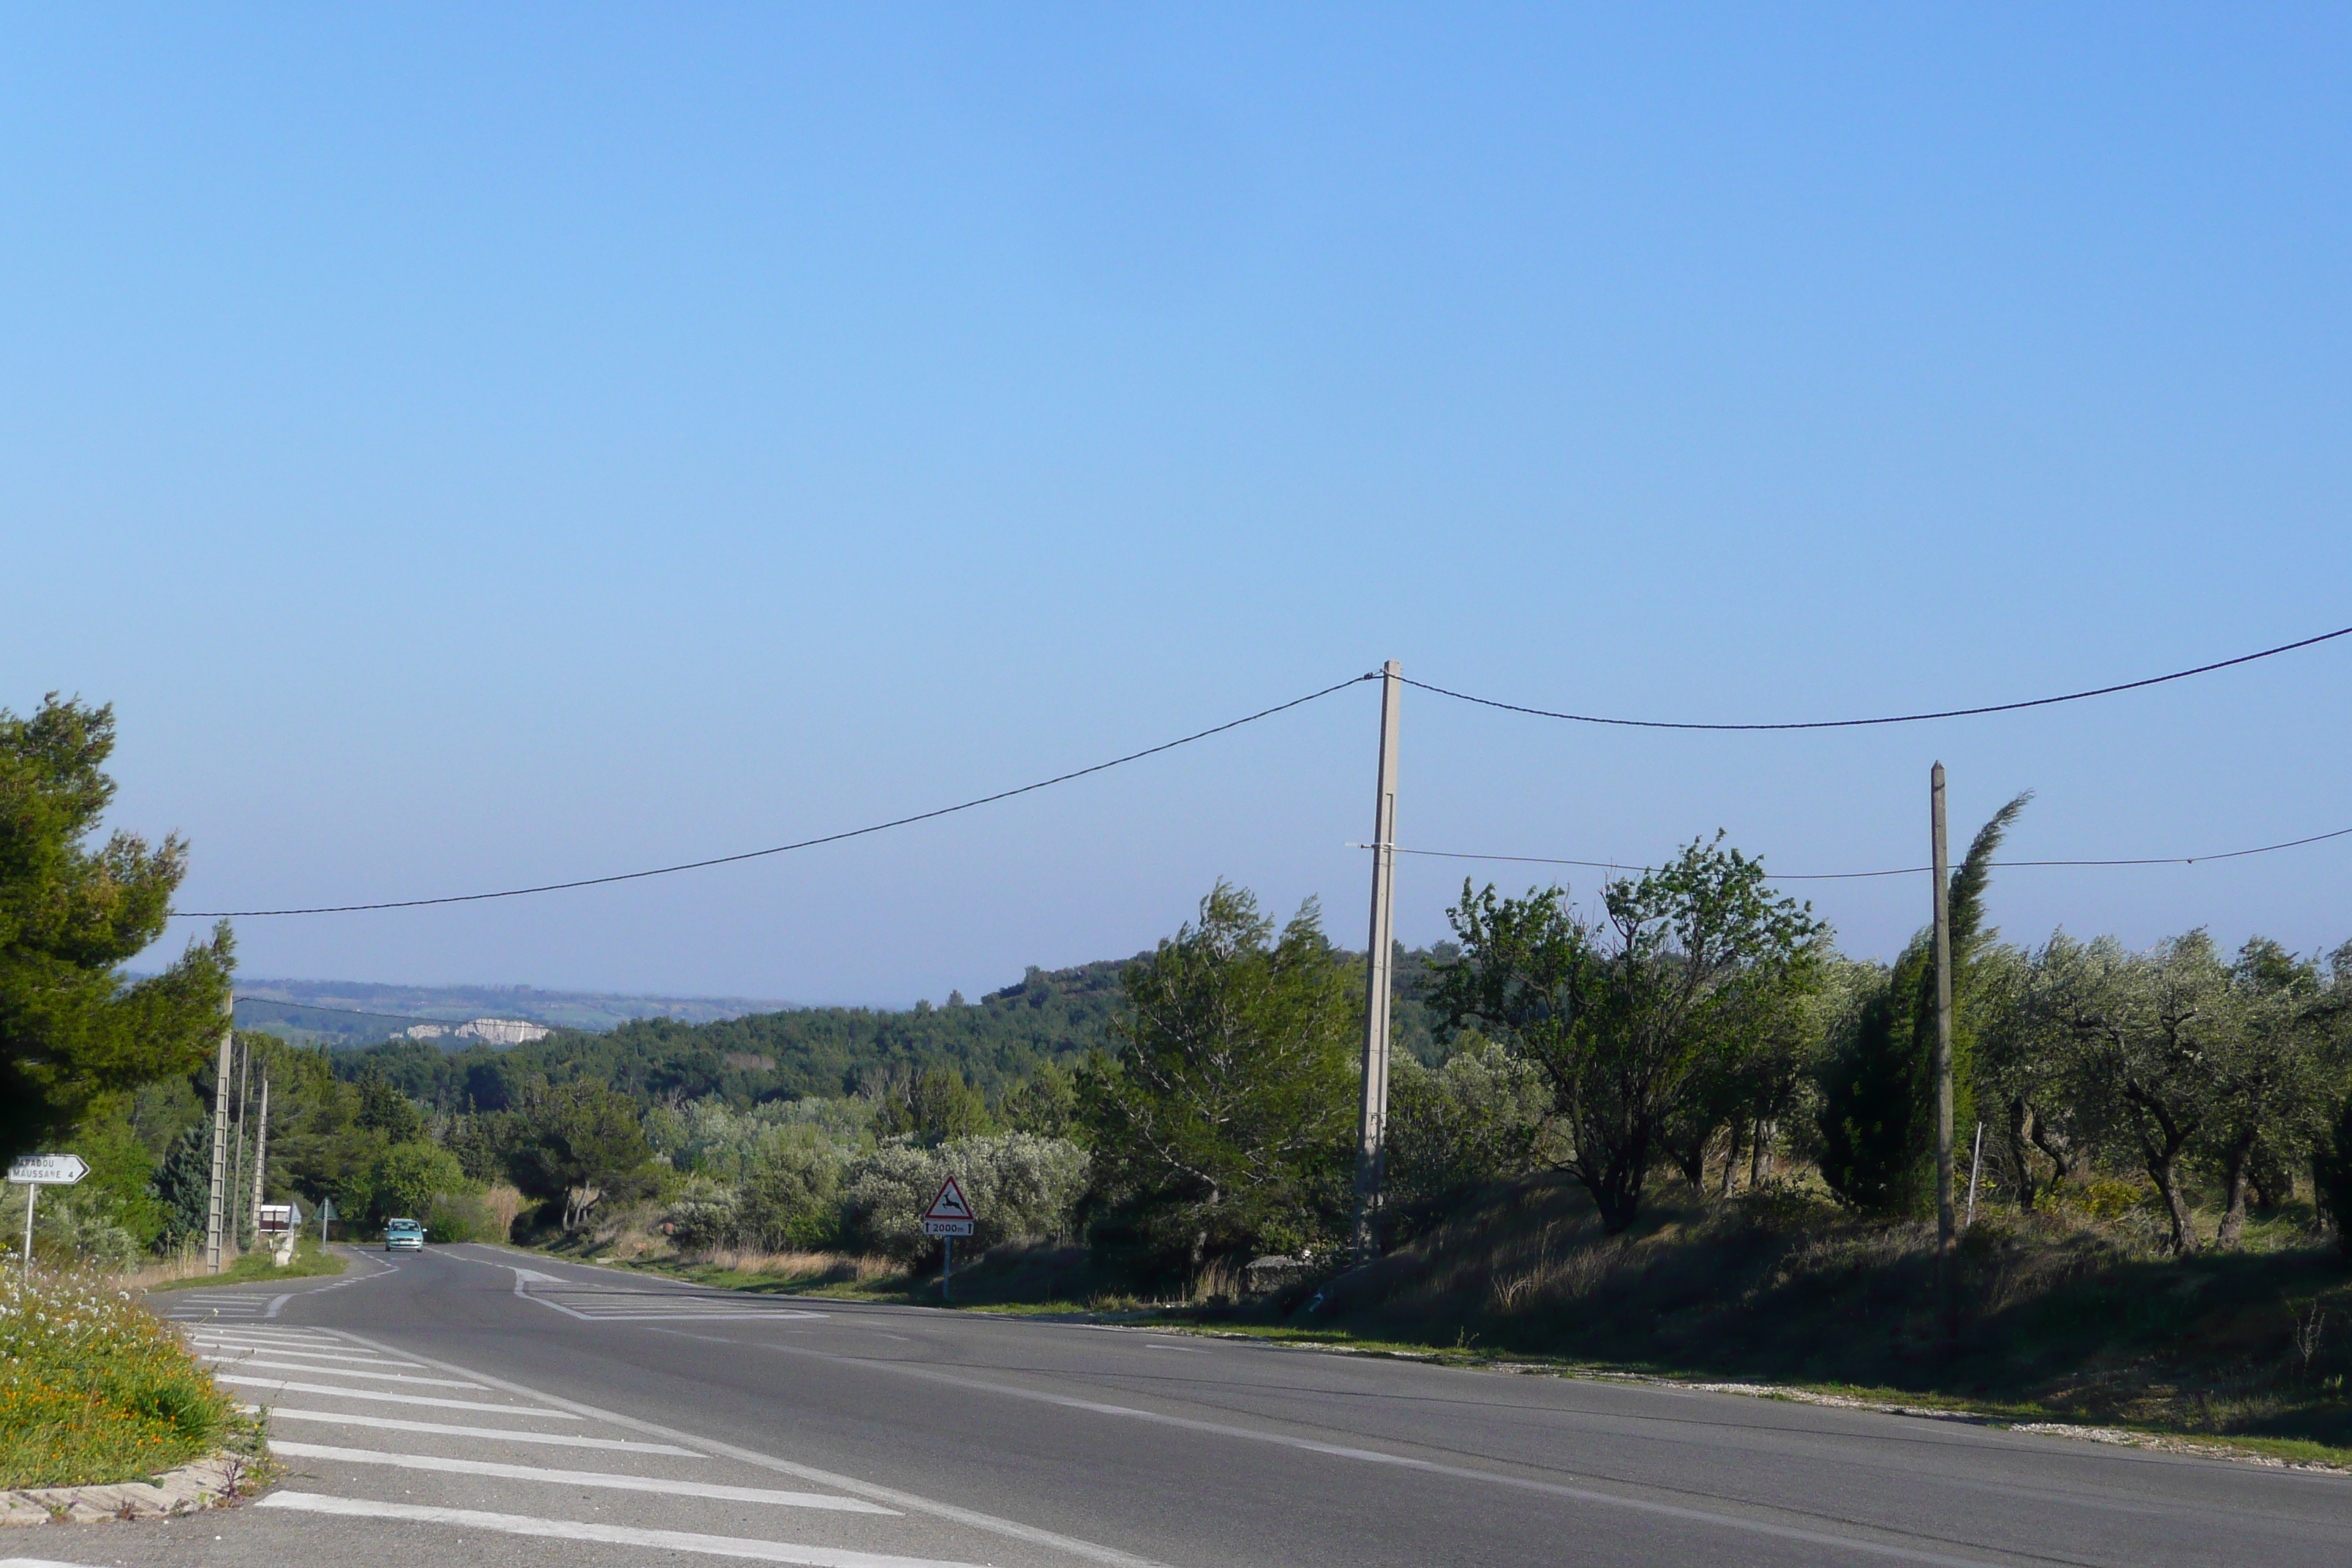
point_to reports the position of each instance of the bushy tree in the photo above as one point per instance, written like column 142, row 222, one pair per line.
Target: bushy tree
column 1481, row 1116
column 2331, row 1170
column 1623, row 1014
column 407, row 1177
column 1227, row 1124
column 1020, row 1188
column 71, row 1029
column 576, row 1142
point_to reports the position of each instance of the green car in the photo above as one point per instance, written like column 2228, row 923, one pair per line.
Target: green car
column 403, row 1235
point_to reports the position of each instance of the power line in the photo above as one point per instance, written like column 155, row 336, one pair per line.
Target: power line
column 1896, row 871
column 787, row 848
column 1892, row 718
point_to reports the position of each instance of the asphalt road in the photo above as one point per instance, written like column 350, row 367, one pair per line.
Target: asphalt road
column 471, row 1405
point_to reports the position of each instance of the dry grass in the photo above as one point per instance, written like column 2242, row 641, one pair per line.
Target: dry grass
column 831, row 1268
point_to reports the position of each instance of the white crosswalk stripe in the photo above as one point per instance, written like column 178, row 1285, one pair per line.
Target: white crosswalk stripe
column 617, row 1534
column 487, row 1434
column 241, row 1381
column 582, row 1478
column 341, row 1371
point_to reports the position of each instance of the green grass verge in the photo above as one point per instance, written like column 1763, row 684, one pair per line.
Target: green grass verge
column 254, row 1267
column 93, row 1390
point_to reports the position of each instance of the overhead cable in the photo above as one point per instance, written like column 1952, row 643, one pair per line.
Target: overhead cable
column 787, row 848
column 1890, row 719
column 1896, row 871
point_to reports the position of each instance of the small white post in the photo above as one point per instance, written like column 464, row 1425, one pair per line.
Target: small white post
column 1975, row 1164
column 32, row 1191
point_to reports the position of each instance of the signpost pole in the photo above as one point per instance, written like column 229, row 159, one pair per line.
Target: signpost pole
column 34, row 1172
column 947, row 1269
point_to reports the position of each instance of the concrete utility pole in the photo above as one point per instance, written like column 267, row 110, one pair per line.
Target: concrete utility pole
column 1945, row 1229
column 260, row 1155
column 216, row 1210
column 1379, row 974
column 236, row 1147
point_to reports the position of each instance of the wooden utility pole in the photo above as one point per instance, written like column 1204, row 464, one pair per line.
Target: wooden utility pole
column 260, row 1155
column 1945, row 1228
column 216, row 1210
column 1380, row 965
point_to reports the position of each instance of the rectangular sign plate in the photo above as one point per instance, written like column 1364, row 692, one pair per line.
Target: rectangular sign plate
column 946, row 1228
column 48, row 1170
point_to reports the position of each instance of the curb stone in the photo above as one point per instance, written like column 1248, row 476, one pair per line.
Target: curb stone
column 208, row 1482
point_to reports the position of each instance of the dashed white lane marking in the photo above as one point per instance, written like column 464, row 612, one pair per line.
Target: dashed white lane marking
column 617, row 1534
column 285, row 1387
column 308, row 1356
column 496, row 1434
column 277, row 1303
column 342, row 1372
column 582, row 1478
column 1180, row 1349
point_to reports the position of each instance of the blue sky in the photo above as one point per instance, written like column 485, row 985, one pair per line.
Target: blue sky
column 473, row 448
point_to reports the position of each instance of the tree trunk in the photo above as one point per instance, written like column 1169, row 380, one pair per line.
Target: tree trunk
column 2020, row 1154
column 2163, row 1170
column 1760, row 1153
column 2236, row 1159
column 1731, row 1157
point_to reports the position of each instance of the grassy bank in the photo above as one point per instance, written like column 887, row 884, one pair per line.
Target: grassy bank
column 2075, row 1317
column 94, row 1390
column 254, row 1267
column 2068, row 1317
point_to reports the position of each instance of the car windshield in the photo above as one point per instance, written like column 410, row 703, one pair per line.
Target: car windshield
column 401, row 1225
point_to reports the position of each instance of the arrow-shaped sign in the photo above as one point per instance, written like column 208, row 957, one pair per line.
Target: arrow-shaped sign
column 48, row 1170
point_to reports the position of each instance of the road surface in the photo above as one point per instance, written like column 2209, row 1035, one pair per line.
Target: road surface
column 472, row 1404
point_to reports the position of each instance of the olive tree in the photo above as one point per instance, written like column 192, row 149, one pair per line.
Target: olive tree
column 1628, row 1012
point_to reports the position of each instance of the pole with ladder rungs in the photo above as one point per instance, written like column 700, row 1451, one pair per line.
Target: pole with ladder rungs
column 1380, row 965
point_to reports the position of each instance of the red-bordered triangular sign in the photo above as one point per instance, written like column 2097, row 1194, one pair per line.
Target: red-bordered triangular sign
column 950, row 1204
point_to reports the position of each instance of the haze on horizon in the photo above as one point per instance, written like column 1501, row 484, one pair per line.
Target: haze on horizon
column 474, row 451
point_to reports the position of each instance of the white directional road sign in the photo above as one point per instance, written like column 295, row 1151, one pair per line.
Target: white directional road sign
column 949, row 1215
column 48, row 1170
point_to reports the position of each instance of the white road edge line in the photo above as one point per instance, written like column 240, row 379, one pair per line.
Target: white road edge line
column 495, row 1433
column 912, row 1502
column 617, row 1534
column 582, row 1478
column 283, row 1386
column 344, row 1372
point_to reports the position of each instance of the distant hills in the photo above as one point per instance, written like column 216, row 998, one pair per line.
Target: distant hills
column 361, row 1013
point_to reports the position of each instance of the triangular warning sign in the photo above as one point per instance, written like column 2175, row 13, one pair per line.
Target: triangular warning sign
column 950, row 1204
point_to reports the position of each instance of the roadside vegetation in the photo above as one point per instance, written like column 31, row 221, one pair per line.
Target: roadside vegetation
column 93, row 1390
column 1670, row 1128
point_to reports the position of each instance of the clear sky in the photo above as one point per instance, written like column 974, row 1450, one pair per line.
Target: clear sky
column 476, row 446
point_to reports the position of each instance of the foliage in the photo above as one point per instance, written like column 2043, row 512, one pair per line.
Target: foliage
column 407, row 1177
column 1877, row 1116
column 1020, row 1188
column 71, row 1030
column 1624, row 1015
column 1481, row 1117
column 94, row 1390
column 577, row 1141
column 2332, row 1175
column 1226, row 1126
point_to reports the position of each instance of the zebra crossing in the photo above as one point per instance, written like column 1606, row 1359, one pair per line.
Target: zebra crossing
column 383, row 1444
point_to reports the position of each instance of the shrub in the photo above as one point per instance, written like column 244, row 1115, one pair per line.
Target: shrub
column 1021, row 1188
column 93, row 1390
